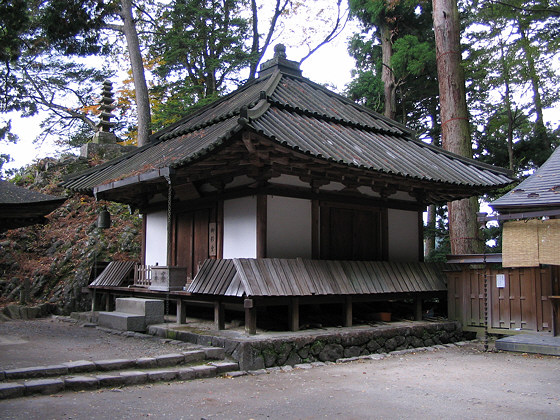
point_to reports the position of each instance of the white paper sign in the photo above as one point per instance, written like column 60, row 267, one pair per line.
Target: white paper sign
column 500, row 280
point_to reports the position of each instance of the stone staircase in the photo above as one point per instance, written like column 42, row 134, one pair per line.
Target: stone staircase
column 133, row 314
column 203, row 362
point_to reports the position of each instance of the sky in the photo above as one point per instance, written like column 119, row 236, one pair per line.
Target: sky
column 330, row 64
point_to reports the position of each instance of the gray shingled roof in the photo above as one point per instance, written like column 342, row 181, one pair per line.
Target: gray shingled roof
column 302, row 116
column 542, row 189
column 21, row 207
column 301, row 277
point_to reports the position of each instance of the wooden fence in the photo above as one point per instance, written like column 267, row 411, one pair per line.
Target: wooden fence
column 517, row 298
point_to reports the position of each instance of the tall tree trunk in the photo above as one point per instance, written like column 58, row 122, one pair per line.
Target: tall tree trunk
column 137, row 65
column 540, row 132
column 507, row 100
column 463, row 231
column 387, row 75
column 430, row 241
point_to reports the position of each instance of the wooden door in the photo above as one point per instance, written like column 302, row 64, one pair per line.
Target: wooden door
column 191, row 239
column 351, row 234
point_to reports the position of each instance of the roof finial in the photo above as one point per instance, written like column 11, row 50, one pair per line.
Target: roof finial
column 280, row 62
column 280, row 51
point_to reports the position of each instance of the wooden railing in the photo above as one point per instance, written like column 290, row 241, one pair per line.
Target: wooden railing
column 142, row 275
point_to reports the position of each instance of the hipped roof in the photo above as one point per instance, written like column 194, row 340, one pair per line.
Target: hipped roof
column 540, row 190
column 21, row 207
column 304, row 117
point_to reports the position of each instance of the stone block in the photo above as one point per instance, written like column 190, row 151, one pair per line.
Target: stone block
column 150, row 308
column 122, row 321
column 204, row 371
column 186, row 374
column 236, row 373
column 304, row 366
column 161, row 375
column 192, row 356
column 222, row 367
column 114, row 364
column 134, row 377
column 36, row 372
column 146, row 362
column 11, row 390
column 78, row 366
column 78, row 383
column 43, row 386
column 170, row 359
column 215, row 353
column 110, row 380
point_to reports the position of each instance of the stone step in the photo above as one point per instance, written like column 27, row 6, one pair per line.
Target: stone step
column 152, row 309
column 49, row 386
column 85, row 366
column 122, row 321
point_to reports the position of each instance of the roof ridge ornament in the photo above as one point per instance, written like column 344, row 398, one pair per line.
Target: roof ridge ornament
column 280, row 63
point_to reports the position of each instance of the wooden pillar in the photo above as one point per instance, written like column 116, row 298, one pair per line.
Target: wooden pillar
column 418, row 308
column 219, row 315
column 107, row 302
column 294, row 314
column 261, row 225
column 94, row 301
column 250, row 316
column 181, row 311
column 347, row 312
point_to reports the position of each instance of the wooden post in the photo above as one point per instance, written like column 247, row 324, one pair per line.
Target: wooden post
column 418, row 309
column 347, row 311
column 108, row 302
column 181, row 312
column 250, row 316
column 219, row 315
column 294, row 314
column 94, row 299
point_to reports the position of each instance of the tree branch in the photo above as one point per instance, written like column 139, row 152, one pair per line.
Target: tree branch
column 551, row 11
column 332, row 35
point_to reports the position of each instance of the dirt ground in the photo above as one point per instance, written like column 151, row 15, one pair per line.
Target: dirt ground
column 459, row 383
column 50, row 341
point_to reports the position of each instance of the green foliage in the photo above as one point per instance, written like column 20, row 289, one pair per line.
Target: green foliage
column 199, row 51
column 511, row 79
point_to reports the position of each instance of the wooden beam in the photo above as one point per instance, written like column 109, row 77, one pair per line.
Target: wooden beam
column 181, row 311
column 347, row 320
column 315, row 244
column 418, row 308
column 293, row 309
column 219, row 315
column 261, row 225
column 250, row 317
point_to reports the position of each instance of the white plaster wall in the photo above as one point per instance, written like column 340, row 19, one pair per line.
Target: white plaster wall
column 290, row 180
column 288, row 227
column 240, row 228
column 403, row 235
column 156, row 238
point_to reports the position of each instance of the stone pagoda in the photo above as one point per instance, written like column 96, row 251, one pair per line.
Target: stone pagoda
column 104, row 141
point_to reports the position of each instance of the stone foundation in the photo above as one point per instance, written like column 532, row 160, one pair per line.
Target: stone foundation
column 325, row 346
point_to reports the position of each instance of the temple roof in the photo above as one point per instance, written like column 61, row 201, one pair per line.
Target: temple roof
column 307, row 120
column 21, row 207
column 540, row 190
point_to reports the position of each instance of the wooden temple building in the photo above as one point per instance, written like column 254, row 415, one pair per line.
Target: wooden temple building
column 284, row 194
column 523, row 282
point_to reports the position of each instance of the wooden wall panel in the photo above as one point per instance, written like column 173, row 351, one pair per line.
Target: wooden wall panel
column 522, row 304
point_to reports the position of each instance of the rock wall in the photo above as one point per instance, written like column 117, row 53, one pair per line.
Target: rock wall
column 260, row 352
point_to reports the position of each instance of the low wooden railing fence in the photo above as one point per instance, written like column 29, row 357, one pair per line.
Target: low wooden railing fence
column 142, row 275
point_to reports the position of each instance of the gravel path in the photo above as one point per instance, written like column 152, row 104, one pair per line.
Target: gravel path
column 454, row 383
column 51, row 341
